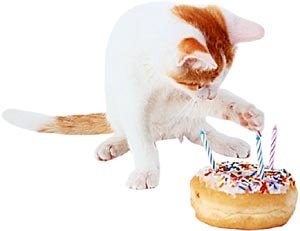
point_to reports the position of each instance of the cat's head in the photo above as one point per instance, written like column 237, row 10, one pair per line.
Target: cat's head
column 203, row 65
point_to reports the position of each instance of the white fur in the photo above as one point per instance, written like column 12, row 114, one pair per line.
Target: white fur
column 25, row 119
column 145, row 105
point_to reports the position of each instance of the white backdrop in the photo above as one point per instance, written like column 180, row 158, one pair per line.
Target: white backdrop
column 52, row 61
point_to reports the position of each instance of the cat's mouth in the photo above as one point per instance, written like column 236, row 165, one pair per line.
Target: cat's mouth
column 206, row 93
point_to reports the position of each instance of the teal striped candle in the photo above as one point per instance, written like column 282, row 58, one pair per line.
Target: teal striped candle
column 207, row 149
column 260, row 170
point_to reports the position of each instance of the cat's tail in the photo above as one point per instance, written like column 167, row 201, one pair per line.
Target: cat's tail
column 72, row 125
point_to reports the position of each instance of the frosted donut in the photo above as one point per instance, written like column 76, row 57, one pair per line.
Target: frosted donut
column 234, row 197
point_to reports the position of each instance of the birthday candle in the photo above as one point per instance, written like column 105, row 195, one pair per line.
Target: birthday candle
column 273, row 146
column 207, row 149
column 260, row 169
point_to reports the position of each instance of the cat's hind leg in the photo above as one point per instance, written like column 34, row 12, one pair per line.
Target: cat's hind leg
column 221, row 143
column 113, row 147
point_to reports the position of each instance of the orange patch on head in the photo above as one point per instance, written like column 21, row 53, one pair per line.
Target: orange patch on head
column 211, row 23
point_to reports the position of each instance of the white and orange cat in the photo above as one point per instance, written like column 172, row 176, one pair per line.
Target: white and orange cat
column 164, row 66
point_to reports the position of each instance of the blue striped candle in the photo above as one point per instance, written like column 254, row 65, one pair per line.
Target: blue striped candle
column 260, row 170
column 207, row 149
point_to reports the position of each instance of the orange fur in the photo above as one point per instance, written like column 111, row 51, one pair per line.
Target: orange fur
column 211, row 23
column 79, row 125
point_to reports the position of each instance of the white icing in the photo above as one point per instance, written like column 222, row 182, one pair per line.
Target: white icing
column 222, row 180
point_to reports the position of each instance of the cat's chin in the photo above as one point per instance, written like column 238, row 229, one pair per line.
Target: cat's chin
column 204, row 95
column 200, row 98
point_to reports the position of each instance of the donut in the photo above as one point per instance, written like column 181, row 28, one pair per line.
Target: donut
column 233, row 196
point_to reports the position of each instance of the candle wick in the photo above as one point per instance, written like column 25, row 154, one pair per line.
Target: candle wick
column 259, row 133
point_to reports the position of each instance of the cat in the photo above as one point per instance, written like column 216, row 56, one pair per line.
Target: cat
column 164, row 67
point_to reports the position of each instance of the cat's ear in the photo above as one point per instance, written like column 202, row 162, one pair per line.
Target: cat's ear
column 193, row 54
column 198, row 60
column 240, row 29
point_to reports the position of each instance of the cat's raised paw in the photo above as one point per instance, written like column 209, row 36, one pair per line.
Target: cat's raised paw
column 112, row 148
column 230, row 146
column 251, row 118
column 238, row 148
column 143, row 179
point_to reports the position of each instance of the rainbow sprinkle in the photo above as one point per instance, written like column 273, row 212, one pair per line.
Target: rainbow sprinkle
column 240, row 177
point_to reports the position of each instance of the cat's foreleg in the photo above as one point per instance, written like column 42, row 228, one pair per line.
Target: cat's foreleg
column 221, row 143
column 145, row 155
column 231, row 107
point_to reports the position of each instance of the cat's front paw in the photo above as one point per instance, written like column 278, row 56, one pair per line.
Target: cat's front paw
column 230, row 146
column 143, row 179
column 246, row 115
column 251, row 118
column 112, row 148
column 236, row 148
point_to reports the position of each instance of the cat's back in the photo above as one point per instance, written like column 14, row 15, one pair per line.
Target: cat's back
column 139, row 25
column 147, row 27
